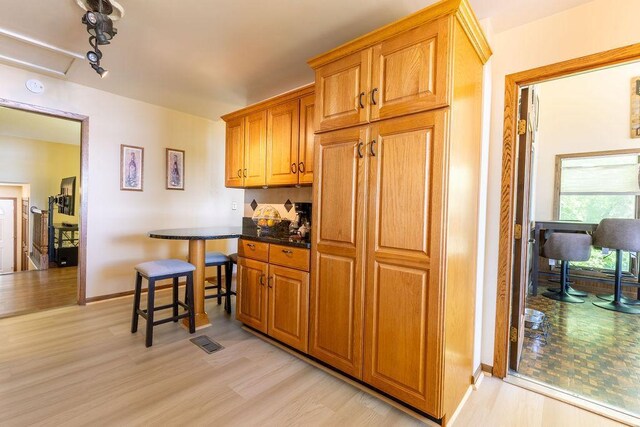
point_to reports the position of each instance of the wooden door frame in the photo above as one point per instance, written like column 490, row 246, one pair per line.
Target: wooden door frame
column 513, row 83
column 15, row 231
column 84, row 179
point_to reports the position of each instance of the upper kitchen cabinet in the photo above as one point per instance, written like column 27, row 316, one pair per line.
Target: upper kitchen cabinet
column 402, row 68
column 341, row 88
column 283, row 123
column 271, row 143
column 307, row 134
column 234, row 153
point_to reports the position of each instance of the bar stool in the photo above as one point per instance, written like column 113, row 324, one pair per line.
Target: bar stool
column 160, row 270
column 621, row 235
column 218, row 259
column 233, row 259
column 566, row 247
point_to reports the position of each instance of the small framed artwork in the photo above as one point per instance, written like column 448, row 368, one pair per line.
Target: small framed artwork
column 175, row 169
column 131, row 164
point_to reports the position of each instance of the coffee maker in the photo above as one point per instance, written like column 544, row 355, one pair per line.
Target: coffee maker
column 302, row 224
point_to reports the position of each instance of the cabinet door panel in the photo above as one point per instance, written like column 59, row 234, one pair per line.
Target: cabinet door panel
column 289, row 306
column 282, row 143
column 251, row 305
column 402, row 289
column 255, row 157
column 410, row 71
column 307, row 134
column 234, row 153
column 337, row 270
column 338, row 88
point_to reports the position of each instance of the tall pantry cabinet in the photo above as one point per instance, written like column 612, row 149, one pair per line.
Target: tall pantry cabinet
column 398, row 113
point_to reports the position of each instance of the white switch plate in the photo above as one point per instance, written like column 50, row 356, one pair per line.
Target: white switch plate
column 234, row 206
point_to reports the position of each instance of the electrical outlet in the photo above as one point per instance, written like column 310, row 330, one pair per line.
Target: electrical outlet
column 234, row 206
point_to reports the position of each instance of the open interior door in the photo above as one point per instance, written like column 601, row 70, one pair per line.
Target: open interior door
column 522, row 245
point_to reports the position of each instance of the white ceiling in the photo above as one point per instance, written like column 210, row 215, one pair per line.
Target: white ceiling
column 206, row 57
column 22, row 124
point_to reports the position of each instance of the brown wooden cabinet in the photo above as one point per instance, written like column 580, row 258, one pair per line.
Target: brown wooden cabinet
column 307, row 134
column 251, row 302
column 337, row 285
column 255, row 141
column 289, row 306
column 395, row 222
column 234, row 153
column 271, row 143
column 283, row 123
column 273, row 291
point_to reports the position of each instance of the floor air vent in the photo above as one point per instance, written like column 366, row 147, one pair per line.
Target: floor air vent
column 206, row 343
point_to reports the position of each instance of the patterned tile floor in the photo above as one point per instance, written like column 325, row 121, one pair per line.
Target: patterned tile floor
column 590, row 351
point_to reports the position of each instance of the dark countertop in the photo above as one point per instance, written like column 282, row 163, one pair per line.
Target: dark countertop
column 247, row 231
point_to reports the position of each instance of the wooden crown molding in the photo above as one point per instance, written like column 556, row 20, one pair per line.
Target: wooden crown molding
column 271, row 102
column 458, row 8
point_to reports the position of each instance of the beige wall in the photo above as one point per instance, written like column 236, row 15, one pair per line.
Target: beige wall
column 119, row 220
column 581, row 114
column 593, row 27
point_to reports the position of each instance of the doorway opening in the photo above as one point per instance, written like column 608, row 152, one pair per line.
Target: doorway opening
column 571, row 159
column 43, row 170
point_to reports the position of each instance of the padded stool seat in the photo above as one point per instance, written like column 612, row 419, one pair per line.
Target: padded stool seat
column 159, row 270
column 566, row 247
column 234, row 258
column 164, row 267
column 214, row 258
column 620, row 234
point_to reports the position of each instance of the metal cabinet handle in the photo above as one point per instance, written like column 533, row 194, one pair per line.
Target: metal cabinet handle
column 360, row 100
column 360, row 144
column 371, row 148
column 287, row 251
column 269, row 282
column 261, row 280
column 251, row 245
column 301, row 167
column 245, row 173
column 294, row 168
column 373, row 96
column 239, row 173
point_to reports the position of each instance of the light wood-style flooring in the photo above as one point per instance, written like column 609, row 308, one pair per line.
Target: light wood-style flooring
column 82, row 366
column 28, row 291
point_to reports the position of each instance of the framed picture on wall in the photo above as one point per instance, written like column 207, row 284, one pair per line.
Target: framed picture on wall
column 131, row 164
column 175, row 169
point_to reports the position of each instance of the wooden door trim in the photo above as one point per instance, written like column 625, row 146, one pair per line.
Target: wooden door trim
column 513, row 83
column 15, row 230
column 84, row 180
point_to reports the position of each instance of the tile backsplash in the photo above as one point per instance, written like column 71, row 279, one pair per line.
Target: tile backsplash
column 276, row 197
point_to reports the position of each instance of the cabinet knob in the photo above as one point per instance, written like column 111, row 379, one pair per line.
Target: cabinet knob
column 294, row 168
column 360, row 99
column 373, row 96
column 301, row 167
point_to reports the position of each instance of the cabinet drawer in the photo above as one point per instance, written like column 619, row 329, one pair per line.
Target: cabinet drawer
column 288, row 256
column 254, row 250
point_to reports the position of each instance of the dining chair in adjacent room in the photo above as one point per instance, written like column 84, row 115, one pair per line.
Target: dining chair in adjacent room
column 619, row 234
column 566, row 247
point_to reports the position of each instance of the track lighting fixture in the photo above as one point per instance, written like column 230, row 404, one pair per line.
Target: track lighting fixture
column 99, row 23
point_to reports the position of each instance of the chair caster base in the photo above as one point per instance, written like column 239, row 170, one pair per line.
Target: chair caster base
column 570, row 291
column 617, row 306
column 561, row 296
